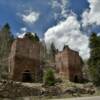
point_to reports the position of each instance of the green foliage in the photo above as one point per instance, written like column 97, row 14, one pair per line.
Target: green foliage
column 94, row 61
column 52, row 52
column 6, row 28
column 93, row 40
column 34, row 38
column 49, row 78
column 6, row 39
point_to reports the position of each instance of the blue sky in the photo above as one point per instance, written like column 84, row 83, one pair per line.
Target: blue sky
column 46, row 17
column 9, row 13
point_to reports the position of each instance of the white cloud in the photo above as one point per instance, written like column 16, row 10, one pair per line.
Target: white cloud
column 92, row 15
column 59, row 7
column 68, row 32
column 21, row 35
column 63, row 7
column 23, row 29
column 98, row 34
column 30, row 17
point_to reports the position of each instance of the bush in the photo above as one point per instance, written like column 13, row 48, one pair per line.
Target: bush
column 49, row 78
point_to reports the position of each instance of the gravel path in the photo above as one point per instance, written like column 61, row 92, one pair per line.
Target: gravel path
column 81, row 98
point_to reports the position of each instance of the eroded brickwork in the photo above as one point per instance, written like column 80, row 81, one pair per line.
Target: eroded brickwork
column 69, row 64
column 25, row 58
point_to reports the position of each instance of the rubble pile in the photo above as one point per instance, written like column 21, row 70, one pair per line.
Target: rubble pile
column 9, row 89
column 79, row 90
column 51, row 91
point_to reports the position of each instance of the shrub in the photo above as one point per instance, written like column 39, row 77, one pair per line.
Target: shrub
column 49, row 78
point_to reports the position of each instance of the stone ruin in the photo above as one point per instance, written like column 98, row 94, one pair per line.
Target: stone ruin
column 69, row 64
column 25, row 62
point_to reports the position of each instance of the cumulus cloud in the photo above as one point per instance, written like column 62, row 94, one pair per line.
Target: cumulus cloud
column 30, row 17
column 68, row 32
column 92, row 15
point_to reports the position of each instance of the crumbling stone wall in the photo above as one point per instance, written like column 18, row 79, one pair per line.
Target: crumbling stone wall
column 25, row 56
column 69, row 64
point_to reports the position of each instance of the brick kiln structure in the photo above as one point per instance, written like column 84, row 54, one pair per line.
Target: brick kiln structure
column 69, row 64
column 25, row 62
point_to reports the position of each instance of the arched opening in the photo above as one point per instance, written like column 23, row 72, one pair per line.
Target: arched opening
column 76, row 79
column 27, row 76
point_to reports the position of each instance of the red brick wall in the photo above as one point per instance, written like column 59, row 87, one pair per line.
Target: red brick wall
column 25, row 56
column 68, row 64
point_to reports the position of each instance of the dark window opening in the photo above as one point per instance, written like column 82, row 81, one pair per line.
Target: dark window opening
column 27, row 76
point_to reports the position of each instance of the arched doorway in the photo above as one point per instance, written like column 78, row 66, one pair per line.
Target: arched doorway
column 76, row 79
column 26, row 76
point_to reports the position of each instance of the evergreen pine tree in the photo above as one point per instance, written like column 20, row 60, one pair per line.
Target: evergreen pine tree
column 52, row 52
column 94, row 61
column 6, row 39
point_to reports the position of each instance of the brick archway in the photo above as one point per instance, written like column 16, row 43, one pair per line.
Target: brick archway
column 26, row 76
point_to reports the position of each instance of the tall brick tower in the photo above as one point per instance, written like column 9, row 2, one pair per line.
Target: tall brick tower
column 69, row 64
column 25, row 63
